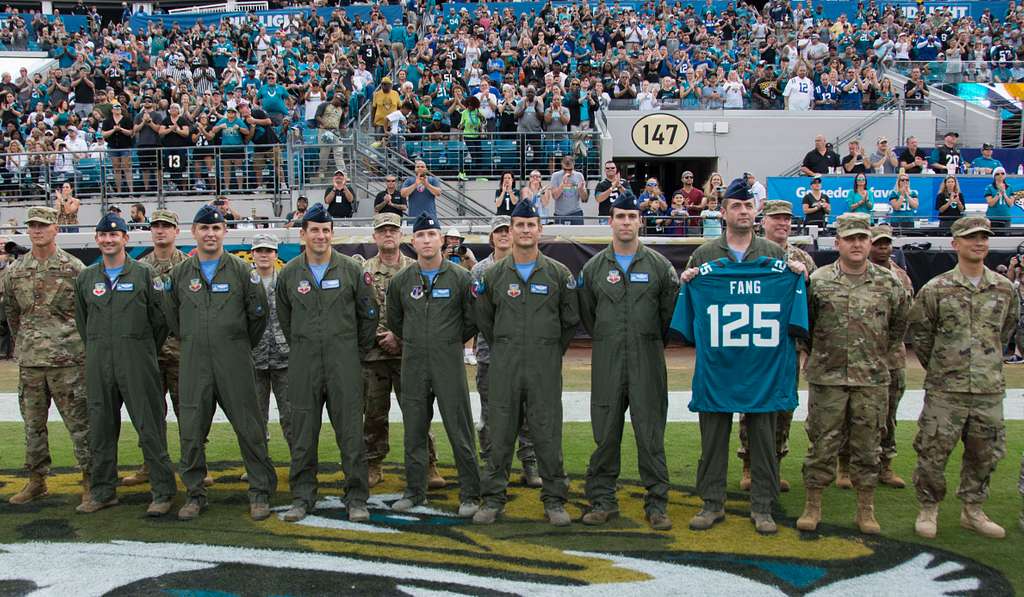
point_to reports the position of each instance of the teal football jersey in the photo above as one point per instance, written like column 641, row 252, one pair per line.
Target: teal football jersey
column 742, row 317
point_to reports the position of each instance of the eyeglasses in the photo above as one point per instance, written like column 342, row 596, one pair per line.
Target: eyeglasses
column 390, row 180
column 904, row 179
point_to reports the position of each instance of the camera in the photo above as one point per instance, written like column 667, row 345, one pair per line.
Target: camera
column 13, row 248
column 218, row 202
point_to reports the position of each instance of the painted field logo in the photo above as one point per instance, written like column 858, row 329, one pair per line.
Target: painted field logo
column 429, row 551
column 660, row 134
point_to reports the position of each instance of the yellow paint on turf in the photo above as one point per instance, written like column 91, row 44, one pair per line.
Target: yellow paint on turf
column 521, row 543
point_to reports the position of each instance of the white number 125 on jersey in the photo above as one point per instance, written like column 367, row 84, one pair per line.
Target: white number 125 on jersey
column 738, row 332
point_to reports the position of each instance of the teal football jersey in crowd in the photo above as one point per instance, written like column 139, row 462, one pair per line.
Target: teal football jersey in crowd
column 742, row 318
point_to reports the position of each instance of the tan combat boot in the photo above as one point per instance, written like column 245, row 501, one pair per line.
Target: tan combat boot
column 843, row 478
column 865, row 518
column 927, row 523
column 375, row 474
column 139, row 477
column 809, row 520
column 973, row 518
column 86, row 489
column 745, row 481
column 35, row 488
column 888, row 477
column 434, row 478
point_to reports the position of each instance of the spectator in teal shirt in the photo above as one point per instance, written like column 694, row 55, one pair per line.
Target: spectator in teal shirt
column 999, row 196
column 986, row 164
column 272, row 98
column 860, row 199
column 232, row 131
column 904, row 202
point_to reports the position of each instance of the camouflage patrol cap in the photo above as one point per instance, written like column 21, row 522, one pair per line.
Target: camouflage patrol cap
column 500, row 222
column 265, row 241
column 43, row 215
column 387, row 219
column 881, row 231
column 852, row 224
column 164, row 215
column 969, row 225
column 777, row 207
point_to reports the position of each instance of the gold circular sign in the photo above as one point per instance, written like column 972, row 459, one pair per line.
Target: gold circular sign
column 660, row 134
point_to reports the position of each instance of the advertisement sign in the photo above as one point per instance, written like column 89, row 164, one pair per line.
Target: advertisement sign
column 839, row 188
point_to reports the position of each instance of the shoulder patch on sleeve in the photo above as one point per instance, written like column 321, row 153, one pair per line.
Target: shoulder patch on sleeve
column 570, row 281
column 479, row 287
column 158, row 285
column 254, row 276
column 368, row 278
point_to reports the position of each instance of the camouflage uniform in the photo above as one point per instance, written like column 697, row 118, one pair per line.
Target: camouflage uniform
column 783, row 419
column 958, row 331
column 170, row 354
column 382, row 371
column 897, row 363
column 39, row 302
column 856, row 323
column 270, row 360
column 527, row 456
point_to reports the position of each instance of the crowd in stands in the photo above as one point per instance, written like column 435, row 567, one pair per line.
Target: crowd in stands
column 217, row 87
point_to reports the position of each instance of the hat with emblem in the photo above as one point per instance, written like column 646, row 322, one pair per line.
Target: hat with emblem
column 317, row 213
column 778, row 207
column 111, row 222
column 626, row 201
column 265, row 241
column 881, row 231
column 852, row 224
column 164, row 215
column 524, row 209
column 969, row 225
column 738, row 189
column 500, row 222
column 208, row 214
column 426, row 222
column 43, row 215
column 387, row 219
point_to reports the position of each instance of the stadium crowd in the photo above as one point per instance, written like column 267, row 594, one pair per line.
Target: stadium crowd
column 442, row 75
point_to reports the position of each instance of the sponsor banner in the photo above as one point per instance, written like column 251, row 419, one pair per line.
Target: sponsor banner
column 839, row 188
column 271, row 19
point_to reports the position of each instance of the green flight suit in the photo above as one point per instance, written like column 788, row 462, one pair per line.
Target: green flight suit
column 123, row 328
column 627, row 313
column 219, row 323
column 434, row 321
column 329, row 327
column 528, row 325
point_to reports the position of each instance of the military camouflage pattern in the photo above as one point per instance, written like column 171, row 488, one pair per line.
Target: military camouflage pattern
column 897, row 386
column 795, row 253
column 169, row 371
column 783, row 421
column 39, row 301
column 382, row 275
column 170, row 353
column 959, row 331
column 379, row 377
column 843, row 413
column 276, row 380
column 272, row 350
column 856, row 323
column 945, row 419
column 65, row 386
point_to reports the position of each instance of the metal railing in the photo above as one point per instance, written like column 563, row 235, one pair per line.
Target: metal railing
column 943, row 72
column 490, row 154
column 855, row 131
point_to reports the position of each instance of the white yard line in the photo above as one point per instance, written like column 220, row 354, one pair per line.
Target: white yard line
column 576, row 407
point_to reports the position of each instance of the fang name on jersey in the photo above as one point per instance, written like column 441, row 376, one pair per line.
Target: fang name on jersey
column 744, row 287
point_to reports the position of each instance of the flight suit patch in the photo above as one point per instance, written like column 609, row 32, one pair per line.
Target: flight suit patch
column 513, row 290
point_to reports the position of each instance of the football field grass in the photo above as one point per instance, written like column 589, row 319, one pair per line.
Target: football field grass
column 896, row 509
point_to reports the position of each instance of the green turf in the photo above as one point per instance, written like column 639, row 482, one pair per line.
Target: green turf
column 896, row 509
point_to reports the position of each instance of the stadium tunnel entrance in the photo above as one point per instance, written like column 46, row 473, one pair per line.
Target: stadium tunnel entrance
column 667, row 170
